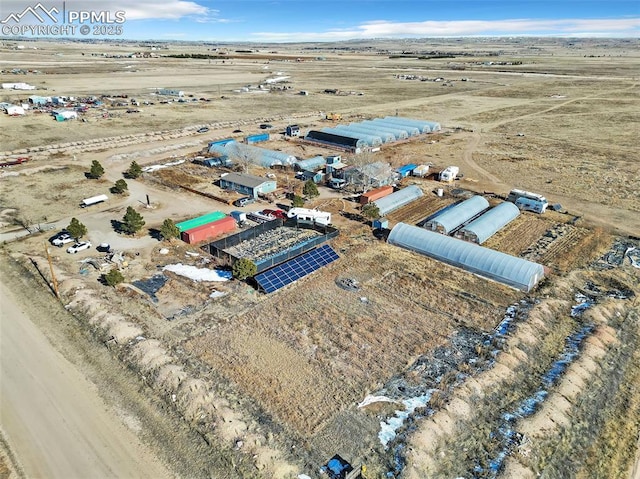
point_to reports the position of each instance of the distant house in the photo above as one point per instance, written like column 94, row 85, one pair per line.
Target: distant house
column 170, row 92
column 39, row 100
column 293, row 130
column 249, row 185
column 17, row 86
column 14, row 110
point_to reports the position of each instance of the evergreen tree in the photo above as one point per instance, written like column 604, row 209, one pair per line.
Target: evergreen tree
column 169, row 229
column 132, row 222
column 120, row 187
column 297, row 202
column 76, row 229
column 371, row 211
column 113, row 277
column 310, row 189
column 244, row 268
column 96, row 170
column 134, row 171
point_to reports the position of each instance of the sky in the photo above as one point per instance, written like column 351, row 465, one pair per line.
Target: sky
column 265, row 21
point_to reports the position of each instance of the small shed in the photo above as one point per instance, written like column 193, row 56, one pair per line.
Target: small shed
column 406, row 170
column 293, row 130
column 256, row 138
column 249, row 185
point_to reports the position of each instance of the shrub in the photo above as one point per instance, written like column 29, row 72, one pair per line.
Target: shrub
column 119, row 187
column 244, row 268
column 113, row 277
column 96, row 170
column 169, row 229
column 76, row 229
column 132, row 222
column 134, row 171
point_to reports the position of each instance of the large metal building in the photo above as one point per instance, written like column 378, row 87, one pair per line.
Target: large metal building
column 409, row 130
column 449, row 220
column 370, row 140
column 483, row 228
column 341, row 140
column 398, row 199
column 510, row 270
column 386, row 137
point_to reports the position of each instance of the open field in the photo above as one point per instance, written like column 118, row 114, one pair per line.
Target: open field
column 268, row 386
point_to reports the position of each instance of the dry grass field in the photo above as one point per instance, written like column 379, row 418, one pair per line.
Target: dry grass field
column 269, row 384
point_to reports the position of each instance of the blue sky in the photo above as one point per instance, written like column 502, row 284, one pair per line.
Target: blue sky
column 311, row 20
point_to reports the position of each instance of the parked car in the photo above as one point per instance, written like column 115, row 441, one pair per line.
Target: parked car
column 61, row 239
column 104, row 248
column 247, row 200
column 275, row 213
column 79, row 247
column 204, row 129
column 265, row 126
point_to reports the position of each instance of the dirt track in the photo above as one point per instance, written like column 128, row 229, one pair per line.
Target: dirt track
column 51, row 414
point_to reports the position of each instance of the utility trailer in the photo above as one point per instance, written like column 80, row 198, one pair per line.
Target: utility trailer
column 527, row 201
column 94, row 200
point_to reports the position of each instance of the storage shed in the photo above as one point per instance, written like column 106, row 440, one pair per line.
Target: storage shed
column 200, row 220
column 256, row 138
column 247, row 184
column 398, row 199
column 345, row 141
column 483, row 228
column 209, row 230
column 510, row 270
column 375, row 194
column 406, row 170
column 452, row 218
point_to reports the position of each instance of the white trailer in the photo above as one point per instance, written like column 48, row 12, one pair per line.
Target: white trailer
column 449, row 174
column 306, row 215
column 93, row 200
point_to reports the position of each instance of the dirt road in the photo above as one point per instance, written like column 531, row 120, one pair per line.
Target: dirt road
column 52, row 416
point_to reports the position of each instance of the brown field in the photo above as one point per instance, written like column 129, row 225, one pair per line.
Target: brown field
column 272, row 382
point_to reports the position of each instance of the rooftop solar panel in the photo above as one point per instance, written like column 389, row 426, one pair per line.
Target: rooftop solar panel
column 286, row 273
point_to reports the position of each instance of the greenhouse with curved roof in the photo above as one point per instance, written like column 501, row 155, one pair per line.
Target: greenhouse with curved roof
column 483, row 228
column 398, row 133
column 433, row 125
column 311, row 164
column 451, row 218
column 398, row 199
column 423, row 126
column 358, row 128
column 370, row 140
column 510, row 270
column 408, row 129
column 340, row 140
column 253, row 154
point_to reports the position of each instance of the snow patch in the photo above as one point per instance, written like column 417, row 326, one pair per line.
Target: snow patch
column 389, row 427
column 373, row 399
column 198, row 274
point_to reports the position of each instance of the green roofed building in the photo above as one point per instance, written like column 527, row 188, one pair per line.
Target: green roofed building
column 200, row 220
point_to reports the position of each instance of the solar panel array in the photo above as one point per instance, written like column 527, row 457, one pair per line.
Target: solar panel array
column 286, row 273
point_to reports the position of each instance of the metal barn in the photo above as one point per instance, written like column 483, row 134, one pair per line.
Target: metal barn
column 369, row 139
column 344, row 141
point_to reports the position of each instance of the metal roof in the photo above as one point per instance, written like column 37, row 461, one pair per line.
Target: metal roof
column 250, row 181
column 510, row 270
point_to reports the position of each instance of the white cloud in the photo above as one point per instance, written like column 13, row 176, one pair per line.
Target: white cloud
column 617, row 27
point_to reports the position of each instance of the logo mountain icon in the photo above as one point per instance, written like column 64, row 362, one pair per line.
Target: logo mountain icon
column 16, row 17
